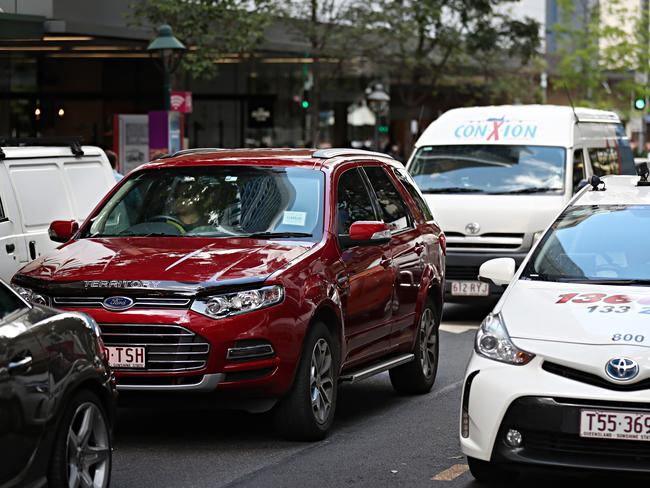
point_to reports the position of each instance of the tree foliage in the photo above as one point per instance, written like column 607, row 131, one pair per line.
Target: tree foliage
column 600, row 44
column 420, row 42
column 209, row 28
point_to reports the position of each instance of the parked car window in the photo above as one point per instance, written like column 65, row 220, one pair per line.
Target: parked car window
column 393, row 208
column 605, row 161
column 9, row 303
column 413, row 190
column 218, row 201
column 578, row 167
column 608, row 147
column 353, row 201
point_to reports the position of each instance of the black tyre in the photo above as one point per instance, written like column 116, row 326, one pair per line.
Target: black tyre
column 82, row 448
column 487, row 472
column 307, row 412
column 418, row 376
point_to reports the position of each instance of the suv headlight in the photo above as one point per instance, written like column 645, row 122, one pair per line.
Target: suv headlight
column 229, row 304
column 30, row 296
column 493, row 342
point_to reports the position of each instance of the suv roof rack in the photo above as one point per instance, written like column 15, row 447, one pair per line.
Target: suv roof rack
column 74, row 143
column 334, row 152
column 195, row 150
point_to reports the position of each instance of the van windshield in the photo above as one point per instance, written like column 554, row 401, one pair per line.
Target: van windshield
column 223, row 201
column 493, row 169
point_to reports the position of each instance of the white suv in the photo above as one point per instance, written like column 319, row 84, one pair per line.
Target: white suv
column 560, row 374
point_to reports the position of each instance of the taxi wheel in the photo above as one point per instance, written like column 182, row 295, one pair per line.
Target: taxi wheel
column 307, row 412
column 418, row 376
column 487, row 472
column 82, row 448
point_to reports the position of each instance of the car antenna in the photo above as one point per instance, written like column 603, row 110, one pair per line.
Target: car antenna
column 595, row 183
column 568, row 94
column 643, row 172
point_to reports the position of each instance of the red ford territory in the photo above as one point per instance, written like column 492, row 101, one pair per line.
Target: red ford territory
column 269, row 275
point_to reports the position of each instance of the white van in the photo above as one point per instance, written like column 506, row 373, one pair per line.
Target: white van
column 496, row 176
column 40, row 184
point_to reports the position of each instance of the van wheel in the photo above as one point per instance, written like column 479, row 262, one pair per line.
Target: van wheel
column 82, row 448
column 307, row 412
column 418, row 376
column 487, row 472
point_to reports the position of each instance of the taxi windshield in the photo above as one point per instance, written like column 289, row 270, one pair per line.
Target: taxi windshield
column 493, row 169
column 603, row 243
column 223, row 201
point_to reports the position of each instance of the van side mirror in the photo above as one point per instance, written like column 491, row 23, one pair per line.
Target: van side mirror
column 581, row 185
column 366, row 233
column 499, row 271
column 63, row 230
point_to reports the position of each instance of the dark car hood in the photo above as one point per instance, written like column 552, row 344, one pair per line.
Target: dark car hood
column 166, row 259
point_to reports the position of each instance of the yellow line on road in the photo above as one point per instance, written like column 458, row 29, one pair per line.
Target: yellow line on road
column 452, row 473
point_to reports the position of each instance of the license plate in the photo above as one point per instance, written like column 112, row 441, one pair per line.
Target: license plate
column 126, row 357
column 606, row 424
column 470, row 288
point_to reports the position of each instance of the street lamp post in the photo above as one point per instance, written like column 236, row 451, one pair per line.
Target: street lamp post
column 379, row 102
column 171, row 51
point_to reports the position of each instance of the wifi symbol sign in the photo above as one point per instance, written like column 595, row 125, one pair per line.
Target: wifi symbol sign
column 181, row 101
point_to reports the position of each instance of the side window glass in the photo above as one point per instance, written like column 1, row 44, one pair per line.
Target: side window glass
column 393, row 208
column 353, row 201
column 3, row 216
column 604, row 161
column 578, row 167
column 411, row 187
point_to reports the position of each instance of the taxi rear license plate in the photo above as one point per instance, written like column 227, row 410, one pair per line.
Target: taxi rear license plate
column 607, row 424
column 126, row 357
column 470, row 288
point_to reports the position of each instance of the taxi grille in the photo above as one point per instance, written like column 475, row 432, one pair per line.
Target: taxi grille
column 96, row 302
column 167, row 347
column 592, row 379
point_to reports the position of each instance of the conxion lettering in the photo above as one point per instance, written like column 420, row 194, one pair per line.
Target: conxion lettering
column 496, row 130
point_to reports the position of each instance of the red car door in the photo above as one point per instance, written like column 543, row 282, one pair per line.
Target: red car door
column 367, row 280
column 407, row 251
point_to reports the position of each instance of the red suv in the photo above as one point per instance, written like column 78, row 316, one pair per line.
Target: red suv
column 265, row 274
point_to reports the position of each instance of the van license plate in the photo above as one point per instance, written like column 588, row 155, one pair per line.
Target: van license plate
column 470, row 288
column 126, row 357
column 607, row 424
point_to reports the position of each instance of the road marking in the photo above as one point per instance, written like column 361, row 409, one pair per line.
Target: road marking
column 458, row 329
column 452, row 473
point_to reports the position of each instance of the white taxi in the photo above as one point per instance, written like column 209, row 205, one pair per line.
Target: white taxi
column 560, row 373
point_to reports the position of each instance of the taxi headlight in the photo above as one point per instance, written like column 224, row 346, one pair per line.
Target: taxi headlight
column 226, row 305
column 493, row 342
column 537, row 236
column 30, row 296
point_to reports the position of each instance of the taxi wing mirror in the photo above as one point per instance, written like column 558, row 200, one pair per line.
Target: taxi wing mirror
column 499, row 271
column 366, row 233
column 63, row 230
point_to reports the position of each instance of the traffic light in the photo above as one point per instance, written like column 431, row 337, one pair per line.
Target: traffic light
column 383, row 129
column 640, row 103
column 304, row 103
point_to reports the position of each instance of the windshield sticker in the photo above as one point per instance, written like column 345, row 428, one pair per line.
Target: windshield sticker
column 294, row 218
column 495, row 130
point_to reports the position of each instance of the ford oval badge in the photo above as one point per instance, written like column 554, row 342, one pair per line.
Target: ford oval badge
column 117, row 304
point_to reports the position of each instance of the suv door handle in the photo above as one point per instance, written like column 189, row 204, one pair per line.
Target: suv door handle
column 385, row 262
column 19, row 364
column 10, row 248
column 32, row 249
column 419, row 248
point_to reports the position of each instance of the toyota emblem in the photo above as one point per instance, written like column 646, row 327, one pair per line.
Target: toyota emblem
column 473, row 228
column 622, row 369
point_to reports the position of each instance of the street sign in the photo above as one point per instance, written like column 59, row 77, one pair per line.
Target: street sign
column 181, row 101
column 260, row 113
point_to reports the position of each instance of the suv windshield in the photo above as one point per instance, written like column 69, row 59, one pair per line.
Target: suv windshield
column 221, row 201
column 493, row 169
column 604, row 243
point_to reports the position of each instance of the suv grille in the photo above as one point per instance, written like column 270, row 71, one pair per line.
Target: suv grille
column 168, row 347
column 96, row 302
column 461, row 273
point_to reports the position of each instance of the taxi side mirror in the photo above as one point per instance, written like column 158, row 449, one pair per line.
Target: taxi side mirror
column 499, row 271
column 63, row 230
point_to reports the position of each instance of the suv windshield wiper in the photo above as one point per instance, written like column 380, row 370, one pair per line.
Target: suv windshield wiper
column 261, row 235
column 453, row 189
column 527, row 190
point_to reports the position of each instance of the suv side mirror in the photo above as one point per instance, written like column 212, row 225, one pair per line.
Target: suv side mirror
column 366, row 233
column 63, row 230
column 499, row 271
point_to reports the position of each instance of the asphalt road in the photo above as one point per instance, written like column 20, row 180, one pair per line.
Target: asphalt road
column 379, row 438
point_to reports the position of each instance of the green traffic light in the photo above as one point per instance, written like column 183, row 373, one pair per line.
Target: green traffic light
column 640, row 103
column 305, row 104
column 383, row 129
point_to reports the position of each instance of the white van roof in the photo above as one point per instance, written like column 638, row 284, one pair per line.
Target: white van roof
column 27, row 152
column 544, row 125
